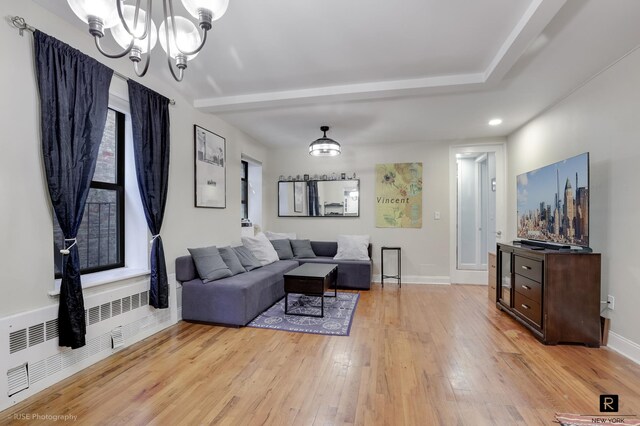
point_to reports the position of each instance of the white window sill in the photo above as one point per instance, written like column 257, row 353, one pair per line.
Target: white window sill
column 104, row 277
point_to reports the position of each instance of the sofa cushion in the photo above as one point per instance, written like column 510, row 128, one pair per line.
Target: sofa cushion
column 283, row 248
column 280, row 235
column 352, row 247
column 324, row 248
column 302, row 249
column 261, row 248
column 246, row 257
column 209, row 263
column 230, row 258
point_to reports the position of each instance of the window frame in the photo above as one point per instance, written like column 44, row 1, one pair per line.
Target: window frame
column 244, row 189
column 119, row 188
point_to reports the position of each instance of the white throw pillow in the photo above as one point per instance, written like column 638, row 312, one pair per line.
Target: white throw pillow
column 280, row 235
column 261, row 248
column 352, row 247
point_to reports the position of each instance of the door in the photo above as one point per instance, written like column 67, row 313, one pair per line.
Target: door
column 477, row 210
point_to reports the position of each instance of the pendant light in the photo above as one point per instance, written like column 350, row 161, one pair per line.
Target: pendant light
column 324, row 147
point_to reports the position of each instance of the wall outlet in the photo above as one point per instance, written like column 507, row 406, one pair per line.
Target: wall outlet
column 611, row 302
column 436, row 215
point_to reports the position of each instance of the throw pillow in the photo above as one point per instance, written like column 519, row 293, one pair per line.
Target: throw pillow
column 352, row 247
column 280, row 235
column 261, row 248
column 209, row 263
column 283, row 248
column 302, row 249
column 248, row 260
column 230, row 257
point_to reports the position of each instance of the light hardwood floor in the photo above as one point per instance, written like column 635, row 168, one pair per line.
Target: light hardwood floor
column 423, row 355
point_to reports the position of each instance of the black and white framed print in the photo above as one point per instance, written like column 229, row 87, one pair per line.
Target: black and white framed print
column 210, row 169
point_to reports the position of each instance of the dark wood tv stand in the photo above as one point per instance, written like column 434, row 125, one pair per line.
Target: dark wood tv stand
column 554, row 293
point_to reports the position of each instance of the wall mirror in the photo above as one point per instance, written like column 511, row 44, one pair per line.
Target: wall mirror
column 319, row 198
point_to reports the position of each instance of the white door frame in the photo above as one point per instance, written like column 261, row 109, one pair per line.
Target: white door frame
column 459, row 276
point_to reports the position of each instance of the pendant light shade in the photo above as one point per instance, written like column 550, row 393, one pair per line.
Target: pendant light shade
column 324, row 147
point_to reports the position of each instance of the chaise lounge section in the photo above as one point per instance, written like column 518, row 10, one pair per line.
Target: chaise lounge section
column 352, row 274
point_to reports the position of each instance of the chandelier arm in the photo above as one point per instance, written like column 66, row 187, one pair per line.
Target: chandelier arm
column 180, row 75
column 148, row 57
column 135, row 19
column 109, row 55
column 146, row 66
column 175, row 34
column 198, row 49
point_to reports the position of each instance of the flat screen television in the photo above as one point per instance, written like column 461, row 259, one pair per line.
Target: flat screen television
column 553, row 203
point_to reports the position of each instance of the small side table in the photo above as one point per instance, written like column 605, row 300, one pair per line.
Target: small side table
column 399, row 271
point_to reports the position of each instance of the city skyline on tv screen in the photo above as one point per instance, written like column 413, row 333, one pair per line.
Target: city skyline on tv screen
column 553, row 202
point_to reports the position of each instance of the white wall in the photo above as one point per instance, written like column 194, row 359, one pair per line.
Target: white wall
column 425, row 251
column 602, row 118
column 25, row 214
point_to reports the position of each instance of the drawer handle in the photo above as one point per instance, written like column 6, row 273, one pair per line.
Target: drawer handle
column 526, row 267
column 525, row 306
column 526, row 287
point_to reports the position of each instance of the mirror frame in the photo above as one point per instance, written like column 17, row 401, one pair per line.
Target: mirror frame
column 318, row 180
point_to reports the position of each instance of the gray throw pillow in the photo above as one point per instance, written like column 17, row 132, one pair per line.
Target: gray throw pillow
column 209, row 263
column 231, row 259
column 247, row 258
column 302, row 249
column 283, row 248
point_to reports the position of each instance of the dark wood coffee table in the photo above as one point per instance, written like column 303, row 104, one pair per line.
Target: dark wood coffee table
column 312, row 279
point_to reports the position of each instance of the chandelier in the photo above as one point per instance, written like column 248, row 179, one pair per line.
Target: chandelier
column 134, row 30
column 324, row 146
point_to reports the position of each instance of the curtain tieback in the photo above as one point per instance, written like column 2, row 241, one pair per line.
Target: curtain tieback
column 153, row 238
column 65, row 251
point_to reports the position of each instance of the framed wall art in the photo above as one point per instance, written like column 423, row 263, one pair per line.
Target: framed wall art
column 210, row 169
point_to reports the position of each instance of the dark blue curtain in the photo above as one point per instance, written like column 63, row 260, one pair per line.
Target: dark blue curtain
column 74, row 96
column 150, row 125
column 314, row 202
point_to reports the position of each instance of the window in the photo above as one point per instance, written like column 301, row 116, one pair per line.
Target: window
column 100, row 238
column 244, row 190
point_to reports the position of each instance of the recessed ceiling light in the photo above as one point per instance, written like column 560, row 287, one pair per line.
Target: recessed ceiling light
column 495, row 122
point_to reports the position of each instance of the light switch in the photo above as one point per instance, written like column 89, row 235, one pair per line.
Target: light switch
column 436, row 215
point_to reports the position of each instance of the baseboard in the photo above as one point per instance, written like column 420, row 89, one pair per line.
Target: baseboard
column 416, row 279
column 624, row 346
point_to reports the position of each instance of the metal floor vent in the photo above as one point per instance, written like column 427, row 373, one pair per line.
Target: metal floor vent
column 36, row 334
column 117, row 338
column 17, row 340
column 45, row 331
column 51, row 328
column 18, row 379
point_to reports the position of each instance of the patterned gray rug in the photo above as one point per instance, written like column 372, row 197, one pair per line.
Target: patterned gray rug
column 338, row 314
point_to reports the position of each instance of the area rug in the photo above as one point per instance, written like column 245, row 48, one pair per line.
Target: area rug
column 338, row 314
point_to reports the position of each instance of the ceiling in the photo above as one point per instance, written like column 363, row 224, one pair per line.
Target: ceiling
column 394, row 72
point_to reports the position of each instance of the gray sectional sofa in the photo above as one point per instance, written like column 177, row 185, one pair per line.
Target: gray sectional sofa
column 238, row 299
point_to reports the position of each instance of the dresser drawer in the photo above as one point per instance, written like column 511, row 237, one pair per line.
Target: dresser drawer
column 529, row 268
column 529, row 288
column 528, row 308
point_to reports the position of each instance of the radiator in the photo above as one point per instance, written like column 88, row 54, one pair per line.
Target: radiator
column 116, row 318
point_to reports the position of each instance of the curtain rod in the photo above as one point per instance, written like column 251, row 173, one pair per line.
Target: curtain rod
column 22, row 26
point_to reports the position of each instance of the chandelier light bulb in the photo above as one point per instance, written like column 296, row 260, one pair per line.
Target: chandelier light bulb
column 188, row 38
column 123, row 38
column 103, row 10
column 217, row 8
